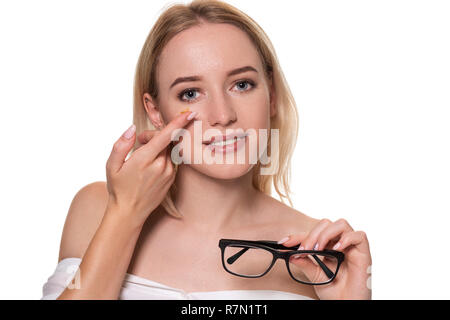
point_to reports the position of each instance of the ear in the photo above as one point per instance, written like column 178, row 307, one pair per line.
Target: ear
column 273, row 99
column 152, row 111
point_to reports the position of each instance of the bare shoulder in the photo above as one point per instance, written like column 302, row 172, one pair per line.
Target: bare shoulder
column 83, row 218
column 286, row 218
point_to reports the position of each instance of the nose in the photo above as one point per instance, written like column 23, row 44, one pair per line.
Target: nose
column 220, row 111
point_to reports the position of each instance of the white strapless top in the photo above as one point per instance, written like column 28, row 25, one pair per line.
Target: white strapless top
column 138, row 288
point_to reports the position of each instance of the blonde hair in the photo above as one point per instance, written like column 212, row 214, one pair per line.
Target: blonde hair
column 179, row 17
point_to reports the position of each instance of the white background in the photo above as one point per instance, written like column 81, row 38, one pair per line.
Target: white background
column 371, row 80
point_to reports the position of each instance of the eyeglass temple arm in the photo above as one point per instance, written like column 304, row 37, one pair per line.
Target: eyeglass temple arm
column 325, row 269
column 236, row 256
column 274, row 244
column 270, row 243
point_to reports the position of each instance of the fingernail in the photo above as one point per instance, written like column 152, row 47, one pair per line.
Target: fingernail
column 316, row 246
column 130, row 132
column 283, row 240
column 301, row 248
column 297, row 256
column 192, row 115
column 336, row 246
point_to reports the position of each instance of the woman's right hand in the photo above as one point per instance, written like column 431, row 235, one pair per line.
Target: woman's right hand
column 138, row 185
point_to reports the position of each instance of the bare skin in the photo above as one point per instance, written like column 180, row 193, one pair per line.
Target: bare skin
column 216, row 200
column 171, row 249
column 191, row 260
column 196, row 264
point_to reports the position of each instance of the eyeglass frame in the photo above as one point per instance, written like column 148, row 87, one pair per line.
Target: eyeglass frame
column 271, row 246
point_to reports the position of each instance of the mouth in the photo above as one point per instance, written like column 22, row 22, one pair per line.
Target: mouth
column 225, row 140
column 227, row 143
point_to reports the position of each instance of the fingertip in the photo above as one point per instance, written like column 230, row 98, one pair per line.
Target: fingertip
column 129, row 133
column 192, row 115
column 184, row 117
column 284, row 240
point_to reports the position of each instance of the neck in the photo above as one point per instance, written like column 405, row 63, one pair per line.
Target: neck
column 210, row 204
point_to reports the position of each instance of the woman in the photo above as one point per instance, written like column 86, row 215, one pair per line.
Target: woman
column 151, row 231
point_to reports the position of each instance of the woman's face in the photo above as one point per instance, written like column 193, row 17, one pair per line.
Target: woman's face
column 226, row 103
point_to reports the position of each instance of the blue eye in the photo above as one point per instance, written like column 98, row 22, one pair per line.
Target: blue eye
column 190, row 91
column 246, row 82
column 181, row 95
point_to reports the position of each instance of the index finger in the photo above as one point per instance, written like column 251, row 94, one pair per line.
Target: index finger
column 163, row 138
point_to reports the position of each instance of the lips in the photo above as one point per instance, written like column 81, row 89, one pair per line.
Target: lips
column 224, row 138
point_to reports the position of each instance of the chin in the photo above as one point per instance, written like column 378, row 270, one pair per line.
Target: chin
column 223, row 171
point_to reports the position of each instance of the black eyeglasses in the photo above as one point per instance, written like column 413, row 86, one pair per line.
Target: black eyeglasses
column 253, row 259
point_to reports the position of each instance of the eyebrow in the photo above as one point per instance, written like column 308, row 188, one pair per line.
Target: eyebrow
column 198, row 78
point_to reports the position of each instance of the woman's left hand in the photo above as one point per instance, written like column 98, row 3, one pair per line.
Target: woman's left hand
column 352, row 280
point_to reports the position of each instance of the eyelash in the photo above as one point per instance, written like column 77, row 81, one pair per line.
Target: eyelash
column 182, row 93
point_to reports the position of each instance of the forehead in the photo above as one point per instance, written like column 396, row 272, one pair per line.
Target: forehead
column 206, row 48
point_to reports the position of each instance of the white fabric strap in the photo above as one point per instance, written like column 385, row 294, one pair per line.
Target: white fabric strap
column 65, row 275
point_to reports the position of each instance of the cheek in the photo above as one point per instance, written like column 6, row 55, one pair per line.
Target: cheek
column 256, row 113
column 169, row 111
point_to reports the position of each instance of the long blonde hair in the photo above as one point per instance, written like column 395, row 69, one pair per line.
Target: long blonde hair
column 179, row 17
